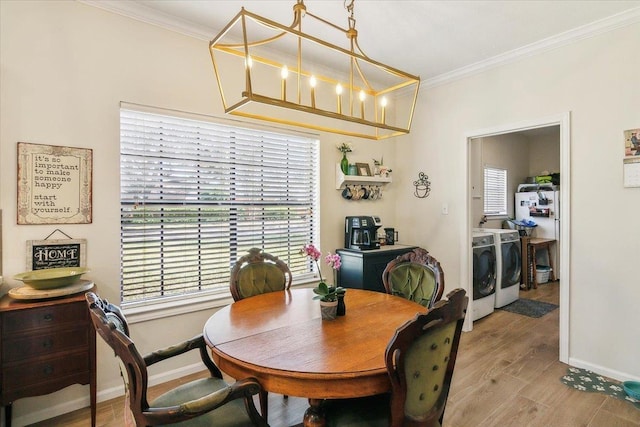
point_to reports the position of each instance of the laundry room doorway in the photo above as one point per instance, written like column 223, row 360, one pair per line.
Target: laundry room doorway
column 521, row 150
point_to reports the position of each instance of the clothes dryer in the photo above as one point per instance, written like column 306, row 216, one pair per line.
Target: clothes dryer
column 484, row 274
column 508, row 266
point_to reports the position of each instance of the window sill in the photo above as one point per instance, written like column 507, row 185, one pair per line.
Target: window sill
column 497, row 216
column 144, row 312
column 179, row 305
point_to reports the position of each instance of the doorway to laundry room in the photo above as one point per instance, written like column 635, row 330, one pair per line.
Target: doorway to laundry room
column 519, row 165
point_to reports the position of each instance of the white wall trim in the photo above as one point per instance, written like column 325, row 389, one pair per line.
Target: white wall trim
column 609, row 373
column 623, row 19
column 151, row 16
column 103, row 395
column 564, row 121
column 565, row 235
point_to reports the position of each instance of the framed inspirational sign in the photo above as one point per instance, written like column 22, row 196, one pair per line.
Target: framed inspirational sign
column 56, row 253
column 54, row 184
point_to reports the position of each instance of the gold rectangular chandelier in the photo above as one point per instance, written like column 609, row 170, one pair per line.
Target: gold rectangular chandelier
column 269, row 71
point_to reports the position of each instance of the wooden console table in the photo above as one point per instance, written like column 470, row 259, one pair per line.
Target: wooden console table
column 530, row 246
column 46, row 345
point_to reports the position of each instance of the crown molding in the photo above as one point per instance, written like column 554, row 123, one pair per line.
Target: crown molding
column 151, row 16
column 628, row 17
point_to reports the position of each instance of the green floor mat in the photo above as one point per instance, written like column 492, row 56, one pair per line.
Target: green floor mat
column 584, row 380
column 529, row 307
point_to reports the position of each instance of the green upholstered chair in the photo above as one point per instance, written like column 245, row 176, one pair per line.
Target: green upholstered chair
column 257, row 273
column 416, row 276
column 203, row 402
column 420, row 359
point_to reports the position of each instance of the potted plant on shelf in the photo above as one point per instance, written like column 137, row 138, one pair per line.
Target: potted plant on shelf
column 344, row 148
column 327, row 294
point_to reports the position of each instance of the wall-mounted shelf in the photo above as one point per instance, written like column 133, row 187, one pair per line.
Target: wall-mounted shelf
column 342, row 179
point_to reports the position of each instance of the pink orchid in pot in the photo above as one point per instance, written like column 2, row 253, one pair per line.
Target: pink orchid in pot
column 327, row 294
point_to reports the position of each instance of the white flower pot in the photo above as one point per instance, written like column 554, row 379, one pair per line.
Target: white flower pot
column 328, row 309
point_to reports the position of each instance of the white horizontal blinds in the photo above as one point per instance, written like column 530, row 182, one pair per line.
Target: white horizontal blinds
column 196, row 195
column 495, row 191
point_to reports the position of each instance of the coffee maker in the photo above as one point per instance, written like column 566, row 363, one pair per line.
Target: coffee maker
column 360, row 232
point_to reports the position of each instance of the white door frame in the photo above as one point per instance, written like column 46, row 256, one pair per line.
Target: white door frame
column 564, row 121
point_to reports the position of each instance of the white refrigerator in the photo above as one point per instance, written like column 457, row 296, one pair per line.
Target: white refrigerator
column 543, row 208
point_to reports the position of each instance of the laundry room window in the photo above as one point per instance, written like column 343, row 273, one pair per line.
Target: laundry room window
column 495, row 191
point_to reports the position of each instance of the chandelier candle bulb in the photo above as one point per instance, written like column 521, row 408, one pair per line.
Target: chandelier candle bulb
column 339, row 93
column 362, row 98
column 312, row 83
column 383, row 104
column 284, row 73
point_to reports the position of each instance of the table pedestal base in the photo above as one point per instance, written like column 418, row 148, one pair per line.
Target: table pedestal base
column 314, row 415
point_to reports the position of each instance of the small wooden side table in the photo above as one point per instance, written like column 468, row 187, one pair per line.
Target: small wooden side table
column 526, row 273
column 538, row 244
column 45, row 345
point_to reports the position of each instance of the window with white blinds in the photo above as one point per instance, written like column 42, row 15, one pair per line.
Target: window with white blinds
column 495, row 191
column 197, row 195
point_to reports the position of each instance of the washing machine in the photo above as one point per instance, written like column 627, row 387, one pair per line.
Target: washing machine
column 484, row 274
column 508, row 266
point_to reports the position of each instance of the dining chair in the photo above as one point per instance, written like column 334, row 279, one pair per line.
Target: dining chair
column 203, row 402
column 420, row 360
column 257, row 273
column 416, row 276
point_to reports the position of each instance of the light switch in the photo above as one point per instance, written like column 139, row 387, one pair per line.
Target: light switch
column 445, row 209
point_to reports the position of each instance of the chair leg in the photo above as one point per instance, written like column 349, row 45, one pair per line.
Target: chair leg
column 264, row 404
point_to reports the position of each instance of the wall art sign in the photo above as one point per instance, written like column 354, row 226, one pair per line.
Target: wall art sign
column 56, row 253
column 632, row 142
column 54, row 184
column 631, row 161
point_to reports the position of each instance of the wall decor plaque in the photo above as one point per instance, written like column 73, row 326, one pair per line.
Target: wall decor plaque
column 54, row 184
column 43, row 254
column 631, row 161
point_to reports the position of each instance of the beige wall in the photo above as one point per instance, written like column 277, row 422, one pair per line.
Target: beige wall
column 521, row 154
column 66, row 66
column 544, row 154
column 601, row 96
column 509, row 152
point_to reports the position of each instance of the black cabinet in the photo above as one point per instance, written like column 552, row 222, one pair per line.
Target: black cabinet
column 363, row 269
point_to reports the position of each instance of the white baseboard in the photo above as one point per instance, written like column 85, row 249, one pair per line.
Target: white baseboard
column 102, row 395
column 609, row 373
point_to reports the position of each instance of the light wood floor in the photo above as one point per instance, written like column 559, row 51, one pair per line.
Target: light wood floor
column 507, row 374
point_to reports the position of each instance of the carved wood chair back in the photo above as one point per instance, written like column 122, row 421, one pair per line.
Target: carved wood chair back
column 416, row 276
column 209, row 400
column 258, row 272
column 420, row 360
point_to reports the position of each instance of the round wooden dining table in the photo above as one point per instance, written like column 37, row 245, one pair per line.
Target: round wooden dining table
column 280, row 339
